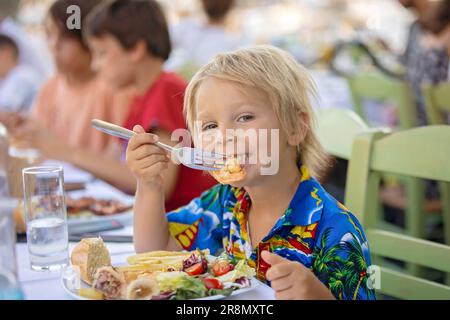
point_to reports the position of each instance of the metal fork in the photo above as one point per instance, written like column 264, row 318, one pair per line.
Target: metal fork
column 190, row 157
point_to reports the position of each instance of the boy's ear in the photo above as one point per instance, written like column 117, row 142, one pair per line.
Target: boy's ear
column 297, row 137
column 139, row 51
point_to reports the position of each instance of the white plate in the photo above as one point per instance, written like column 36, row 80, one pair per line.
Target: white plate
column 71, row 284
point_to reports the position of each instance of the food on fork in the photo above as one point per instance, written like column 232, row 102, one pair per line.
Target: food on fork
column 89, row 255
column 231, row 172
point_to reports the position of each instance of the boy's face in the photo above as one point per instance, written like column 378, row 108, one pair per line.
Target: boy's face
column 113, row 63
column 68, row 53
column 223, row 105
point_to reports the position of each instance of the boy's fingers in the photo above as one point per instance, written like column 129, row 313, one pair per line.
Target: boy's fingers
column 272, row 258
column 282, row 284
column 151, row 160
column 279, row 271
column 138, row 129
column 140, row 139
column 284, row 295
column 153, row 170
column 147, row 150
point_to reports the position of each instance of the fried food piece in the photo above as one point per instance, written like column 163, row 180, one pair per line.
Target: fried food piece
column 111, row 282
column 231, row 172
column 90, row 293
column 75, row 206
column 143, row 288
column 108, row 207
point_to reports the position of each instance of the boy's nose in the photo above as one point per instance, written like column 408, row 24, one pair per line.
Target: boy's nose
column 226, row 143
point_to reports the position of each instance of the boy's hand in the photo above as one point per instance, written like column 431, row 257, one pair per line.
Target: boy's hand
column 145, row 160
column 293, row 281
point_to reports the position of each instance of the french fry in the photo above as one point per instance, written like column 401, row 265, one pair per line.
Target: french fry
column 150, row 267
column 157, row 260
column 162, row 255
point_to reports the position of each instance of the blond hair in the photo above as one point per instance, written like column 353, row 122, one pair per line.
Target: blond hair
column 286, row 83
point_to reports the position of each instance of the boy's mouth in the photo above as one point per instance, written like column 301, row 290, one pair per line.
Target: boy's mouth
column 233, row 170
column 243, row 158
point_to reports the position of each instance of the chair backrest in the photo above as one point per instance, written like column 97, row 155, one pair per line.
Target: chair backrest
column 437, row 102
column 422, row 153
column 380, row 87
column 337, row 129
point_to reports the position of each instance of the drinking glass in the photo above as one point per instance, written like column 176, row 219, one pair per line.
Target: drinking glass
column 46, row 217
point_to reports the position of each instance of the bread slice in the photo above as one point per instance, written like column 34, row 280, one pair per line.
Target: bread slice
column 89, row 255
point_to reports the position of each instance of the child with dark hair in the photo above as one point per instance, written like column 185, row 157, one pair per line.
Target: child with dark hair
column 60, row 122
column 130, row 43
column 18, row 83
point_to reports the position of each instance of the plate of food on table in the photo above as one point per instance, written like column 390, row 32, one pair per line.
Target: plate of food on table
column 90, row 207
column 84, row 211
column 156, row 275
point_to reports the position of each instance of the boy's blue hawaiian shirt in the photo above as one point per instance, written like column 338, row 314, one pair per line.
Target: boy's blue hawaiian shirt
column 316, row 230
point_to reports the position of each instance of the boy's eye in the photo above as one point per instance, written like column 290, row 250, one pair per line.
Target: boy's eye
column 209, row 126
column 245, row 118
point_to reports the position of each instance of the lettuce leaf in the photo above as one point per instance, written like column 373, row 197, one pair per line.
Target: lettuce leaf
column 242, row 269
column 185, row 286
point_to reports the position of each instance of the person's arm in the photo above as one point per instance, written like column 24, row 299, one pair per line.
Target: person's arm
column 106, row 166
column 147, row 162
column 170, row 176
column 110, row 169
column 151, row 229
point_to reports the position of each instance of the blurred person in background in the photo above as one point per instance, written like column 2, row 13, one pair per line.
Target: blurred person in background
column 428, row 48
column 30, row 52
column 426, row 59
column 60, row 122
column 19, row 83
column 130, row 43
column 197, row 41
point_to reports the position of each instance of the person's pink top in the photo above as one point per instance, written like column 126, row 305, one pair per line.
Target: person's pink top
column 67, row 110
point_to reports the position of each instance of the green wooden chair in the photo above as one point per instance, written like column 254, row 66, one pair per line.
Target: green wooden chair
column 422, row 153
column 348, row 125
column 337, row 129
column 380, row 87
column 383, row 88
column 437, row 102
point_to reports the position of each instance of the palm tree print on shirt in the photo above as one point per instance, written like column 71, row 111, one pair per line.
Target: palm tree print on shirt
column 342, row 267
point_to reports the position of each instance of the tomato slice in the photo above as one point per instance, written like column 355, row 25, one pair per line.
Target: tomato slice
column 221, row 267
column 211, row 283
column 195, row 269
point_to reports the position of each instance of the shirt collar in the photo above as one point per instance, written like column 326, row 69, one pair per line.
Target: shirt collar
column 305, row 207
column 307, row 204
